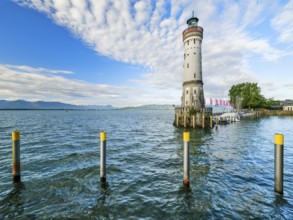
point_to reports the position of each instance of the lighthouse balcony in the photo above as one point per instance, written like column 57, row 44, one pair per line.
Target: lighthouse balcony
column 192, row 29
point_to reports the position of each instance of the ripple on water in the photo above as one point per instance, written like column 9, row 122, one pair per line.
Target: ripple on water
column 231, row 168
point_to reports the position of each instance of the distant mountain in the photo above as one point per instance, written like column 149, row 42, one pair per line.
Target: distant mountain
column 22, row 104
column 152, row 107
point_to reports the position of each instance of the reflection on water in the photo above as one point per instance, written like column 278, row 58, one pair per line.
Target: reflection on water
column 13, row 203
column 231, row 168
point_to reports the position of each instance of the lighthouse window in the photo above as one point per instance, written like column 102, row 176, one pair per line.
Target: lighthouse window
column 187, row 65
column 195, row 75
column 194, row 91
column 188, row 42
column 186, row 92
column 184, row 56
column 194, row 41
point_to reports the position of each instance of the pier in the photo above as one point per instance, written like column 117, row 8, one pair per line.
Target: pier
column 189, row 117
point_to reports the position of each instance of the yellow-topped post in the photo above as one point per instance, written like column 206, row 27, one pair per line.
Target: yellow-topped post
column 186, row 136
column 216, row 122
column 103, row 139
column 177, row 120
column 193, row 121
column 279, row 139
column 202, row 121
column 279, row 162
column 211, row 121
column 16, row 157
column 186, row 140
column 184, row 122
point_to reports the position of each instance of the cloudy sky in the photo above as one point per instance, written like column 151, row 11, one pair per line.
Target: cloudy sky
column 130, row 52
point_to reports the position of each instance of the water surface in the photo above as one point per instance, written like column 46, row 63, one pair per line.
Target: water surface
column 232, row 168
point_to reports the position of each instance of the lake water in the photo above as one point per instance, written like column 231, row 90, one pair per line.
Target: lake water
column 232, row 168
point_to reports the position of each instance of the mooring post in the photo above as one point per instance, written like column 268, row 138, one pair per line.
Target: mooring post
column 216, row 122
column 177, row 120
column 279, row 162
column 186, row 140
column 202, row 121
column 103, row 139
column 16, row 157
column 184, row 121
column 193, row 121
column 211, row 121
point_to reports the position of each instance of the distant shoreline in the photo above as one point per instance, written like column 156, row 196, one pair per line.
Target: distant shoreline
column 90, row 109
column 59, row 109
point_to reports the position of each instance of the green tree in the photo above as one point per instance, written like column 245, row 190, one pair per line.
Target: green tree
column 246, row 95
column 270, row 102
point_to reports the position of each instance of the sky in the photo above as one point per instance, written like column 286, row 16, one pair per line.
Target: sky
column 130, row 52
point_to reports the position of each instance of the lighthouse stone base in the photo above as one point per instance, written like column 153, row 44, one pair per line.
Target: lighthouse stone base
column 189, row 117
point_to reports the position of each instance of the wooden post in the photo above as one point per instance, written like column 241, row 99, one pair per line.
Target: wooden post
column 184, row 121
column 103, row 140
column 279, row 162
column 211, row 121
column 203, row 121
column 186, row 139
column 216, row 122
column 16, row 157
column 193, row 121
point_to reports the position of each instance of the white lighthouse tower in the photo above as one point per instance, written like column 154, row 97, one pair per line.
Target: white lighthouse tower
column 192, row 113
column 192, row 95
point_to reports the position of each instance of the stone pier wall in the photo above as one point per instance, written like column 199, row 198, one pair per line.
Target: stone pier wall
column 190, row 118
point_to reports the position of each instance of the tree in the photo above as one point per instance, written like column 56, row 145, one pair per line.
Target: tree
column 246, row 95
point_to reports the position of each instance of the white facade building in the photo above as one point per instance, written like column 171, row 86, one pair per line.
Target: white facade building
column 192, row 95
column 288, row 108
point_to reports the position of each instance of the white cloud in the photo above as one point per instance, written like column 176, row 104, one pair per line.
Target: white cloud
column 27, row 82
column 23, row 82
column 148, row 33
column 38, row 70
column 283, row 23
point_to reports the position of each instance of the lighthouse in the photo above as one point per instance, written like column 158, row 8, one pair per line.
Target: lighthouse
column 192, row 94
column 192, row 113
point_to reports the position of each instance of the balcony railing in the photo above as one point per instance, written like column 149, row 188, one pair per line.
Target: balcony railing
column 192, row 29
